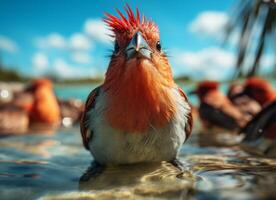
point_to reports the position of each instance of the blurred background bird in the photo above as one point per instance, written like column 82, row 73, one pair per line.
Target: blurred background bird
column 258, row 89
column 44, row 108
column 36, row 108
column 215, row 109
column 247, row 105
column 138, row 114
column 261, row 130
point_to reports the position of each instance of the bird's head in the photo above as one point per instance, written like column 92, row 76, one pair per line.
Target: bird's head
column 259, row 89
column 39, row 83
column 204, row 87
column 138, row 82
column 137, row 49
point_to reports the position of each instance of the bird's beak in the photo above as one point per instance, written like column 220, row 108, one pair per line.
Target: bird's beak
column 138, row 47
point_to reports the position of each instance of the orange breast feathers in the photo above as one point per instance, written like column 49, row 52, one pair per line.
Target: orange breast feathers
column 139, row 82
column 45, row 108
column 139, row 98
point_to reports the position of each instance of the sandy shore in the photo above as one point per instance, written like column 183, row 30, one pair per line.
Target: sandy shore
column 11, row 86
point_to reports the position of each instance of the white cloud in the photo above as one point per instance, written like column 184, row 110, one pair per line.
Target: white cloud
column 79, row 41
column 209, row 57
column 209, row 23
column 8, row 45
column 76, row 42
column 53, row 40
column 268, row 60
column 97, row 30
column 212, row 62
column 62, row 68
column 81, row 57
column 40, row 61
column 66, row 70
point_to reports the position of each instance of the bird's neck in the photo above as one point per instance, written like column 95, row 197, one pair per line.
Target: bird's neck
column 138, row 99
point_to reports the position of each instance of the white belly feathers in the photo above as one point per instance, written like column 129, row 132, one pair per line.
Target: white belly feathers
column 111, row 146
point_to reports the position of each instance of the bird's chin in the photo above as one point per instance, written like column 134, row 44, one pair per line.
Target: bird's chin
column 138, row 60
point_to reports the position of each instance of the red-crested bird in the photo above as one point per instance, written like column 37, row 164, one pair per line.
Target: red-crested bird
column 138, row 114
column 259, row 89
column 216, row 109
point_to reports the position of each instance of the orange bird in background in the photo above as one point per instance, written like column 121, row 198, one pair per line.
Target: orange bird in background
column 260, row 90
column 44, row 108
column 138, row 114
column 216, row 109
column 36, row 107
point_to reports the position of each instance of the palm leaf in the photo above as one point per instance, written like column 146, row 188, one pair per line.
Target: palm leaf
column 251, row 13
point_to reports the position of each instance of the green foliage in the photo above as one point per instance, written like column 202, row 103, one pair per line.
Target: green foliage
column 183, row 79
column 10, row 75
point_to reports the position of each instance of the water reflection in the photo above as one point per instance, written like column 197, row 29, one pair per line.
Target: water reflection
column 39, row 148
column 50, row 166
column 128, row 175
column 154, row 180
column 238, row 176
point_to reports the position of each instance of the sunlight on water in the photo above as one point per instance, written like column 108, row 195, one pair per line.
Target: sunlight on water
column 52, row 166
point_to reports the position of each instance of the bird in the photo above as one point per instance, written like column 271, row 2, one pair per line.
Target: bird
column 215, row 109
column 260, row 132
column 65, row 112
column 261, row 128
column 258, row 89
column 37, row 109
column 247, row 105
column 44, row 109
column 139, row 114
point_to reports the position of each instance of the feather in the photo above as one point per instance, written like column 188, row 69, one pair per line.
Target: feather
column 90, row 103
column 189, row 124
column 130, row 22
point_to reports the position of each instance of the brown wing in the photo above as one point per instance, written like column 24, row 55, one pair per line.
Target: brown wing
column 189, row 125
column 90, row 103
column 211, row 115
column 218, row 110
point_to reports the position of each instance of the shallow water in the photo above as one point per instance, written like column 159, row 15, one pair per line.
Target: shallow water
column 49, row 166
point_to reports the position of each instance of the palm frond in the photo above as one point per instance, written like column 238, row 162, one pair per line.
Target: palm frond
column 248, row 15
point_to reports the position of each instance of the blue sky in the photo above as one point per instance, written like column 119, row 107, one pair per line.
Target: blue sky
column 68, row 38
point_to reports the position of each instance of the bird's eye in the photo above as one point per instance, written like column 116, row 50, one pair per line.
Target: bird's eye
column 158, row 46
column 116, row 47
